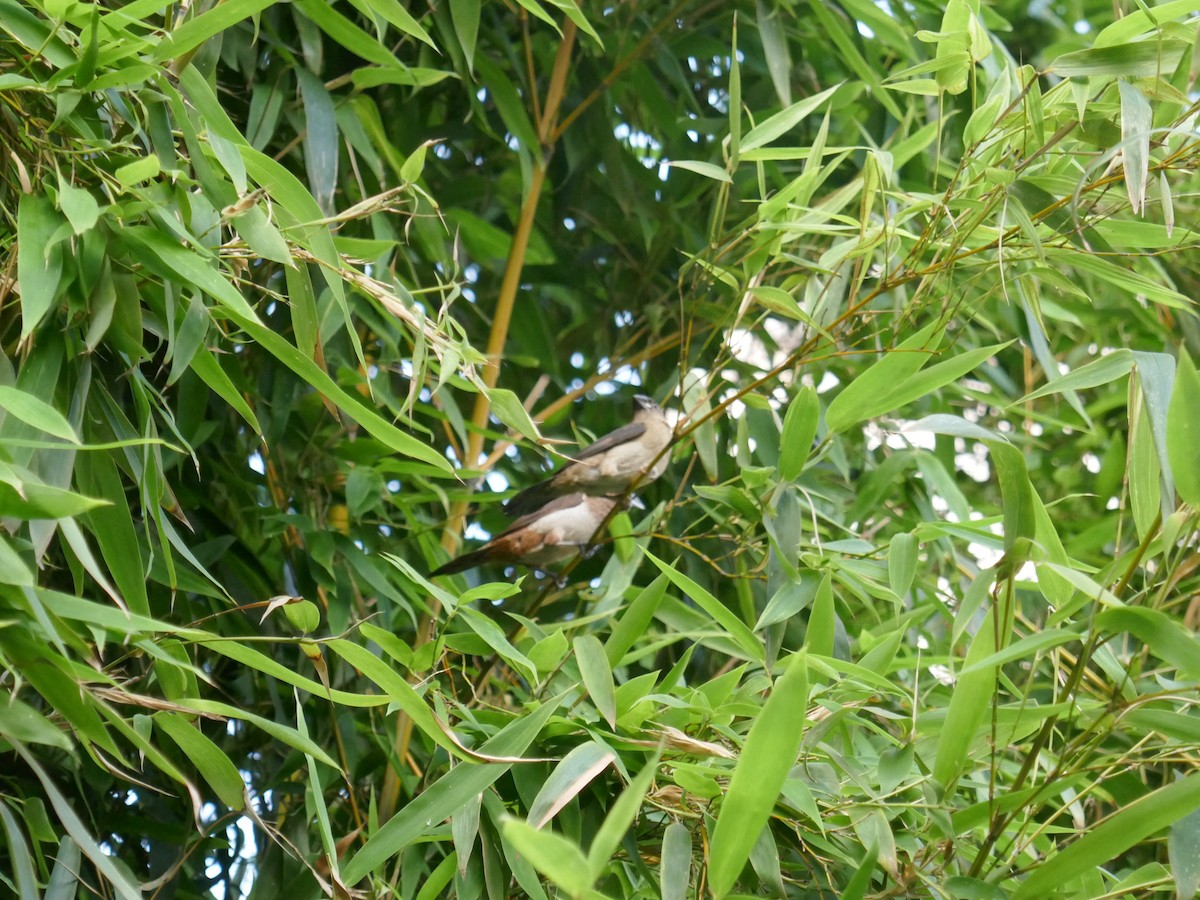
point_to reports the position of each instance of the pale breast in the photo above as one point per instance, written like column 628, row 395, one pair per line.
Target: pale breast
column 570, row 527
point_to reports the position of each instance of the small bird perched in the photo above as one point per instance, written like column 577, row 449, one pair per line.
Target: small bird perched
column 551, row 533
column 611, row 464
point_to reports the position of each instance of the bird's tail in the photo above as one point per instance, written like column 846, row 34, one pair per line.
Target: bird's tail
column 462, row 563
column 531, row 499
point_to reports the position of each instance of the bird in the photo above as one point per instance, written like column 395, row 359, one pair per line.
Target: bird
column 554, row 532
column 632, row 453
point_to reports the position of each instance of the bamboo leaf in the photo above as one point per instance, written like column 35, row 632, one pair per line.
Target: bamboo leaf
column 441, row 799
column 767, row 756
column 597, row 676
column 1183, row 431
column 1134, row 822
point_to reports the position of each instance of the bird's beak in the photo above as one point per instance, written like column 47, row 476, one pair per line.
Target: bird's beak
column 635, row 502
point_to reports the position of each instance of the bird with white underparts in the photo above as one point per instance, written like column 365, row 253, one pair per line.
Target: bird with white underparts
column 634, row 454
column 556, row 531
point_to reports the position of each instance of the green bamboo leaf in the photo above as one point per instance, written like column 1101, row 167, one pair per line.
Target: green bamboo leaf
column 1182, row 727
column 1143, row 20
column 1020, row 518
column 398, row 689
column 1025, row 647
column 321, row 141
column 1183, row 431
column 198, row 29
column 52, row 676
column 635, row 620
column 785, row 120
column 799, row 429
column 507, row 407
column 597, row 676
column 113, row 528
column 933, row 378
column 1121, row 276
column 1143, row 59
column 35, row 33
column 39, row 259
column 493, row 635
column 1145, row 473
column 1056, row 589
column 508, row 102
column 214, row 766
column 27, row 499
column 953, row 40
column 775, row 49
column 316, row 799
column 189, row 336
column 873, row 831
column 620, row 817
column 261, row 236
column 721, row 614
column 573, row 12
column 13, row 569
column 707, row 169
column 378, row 427
column 767, row 756
column 464, row 828
column 409, row 76
column 860, row 399
column 1183, row 853
column 792, row 597
column 557, row 858
column 969, row 702
column 444, row 797
column 675, row 867
column 171, row 260
column 299, row 215
column 78, row 205
column 115, row 877
column 465, row 16
column 33, row 411
column 1104, row 370
column 1136, row 124
column 735, row 97
column 206, row 366
column 574, row 772
column 132, row 174
column 283, row 733
column 822, row 621
column 1136, row 821
column 835, row 29
column 902, row 562
column 1167, row 638
column 63, row 878
column 344, row 32
column 255, row 659
column 1156, row 373
column 704, row 436
column 21, row 721
column 535, row 8
column 393, row 12
column 104, row 615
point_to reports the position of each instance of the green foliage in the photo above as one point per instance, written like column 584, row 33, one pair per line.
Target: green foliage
column 293, row 292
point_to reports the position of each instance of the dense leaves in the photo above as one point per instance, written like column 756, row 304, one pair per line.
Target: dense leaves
column 294, row 294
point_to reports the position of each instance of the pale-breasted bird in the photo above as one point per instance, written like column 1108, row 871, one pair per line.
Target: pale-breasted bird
column 633, row 452
column 554, row 532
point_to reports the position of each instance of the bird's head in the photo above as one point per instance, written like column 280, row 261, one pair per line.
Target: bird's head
column 644, row 402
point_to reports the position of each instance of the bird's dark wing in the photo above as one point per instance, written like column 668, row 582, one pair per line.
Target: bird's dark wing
column 530, row 500
column 622, row 435
column 565, row 502
column 464, row 562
